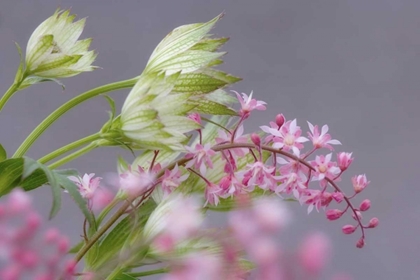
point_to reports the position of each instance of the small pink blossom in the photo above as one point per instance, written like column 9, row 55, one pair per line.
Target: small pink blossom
column 249, row 104
column 348, row 229
column 365, row 205
column 87, row 184
column 338, row 196
column 344, row 160
column 288, row 137
column 172, row 179
column 315, row 199
column 323, row 139
column 374, row 222
column 324, row 168
column 239, row 138
column 359, row 183
column 314, row 253
column 201, row 157
column 333, row 214
column 136, row 182
column 260, row 175
column 291, row 183
column 195, row 117
column 213, row 193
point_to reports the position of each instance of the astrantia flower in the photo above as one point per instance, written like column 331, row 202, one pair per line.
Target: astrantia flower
column 249, row 104
column 323, row 139
column 87, row 185
column 54, row 51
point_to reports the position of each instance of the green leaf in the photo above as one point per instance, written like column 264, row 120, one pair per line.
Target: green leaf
column 10, row 172
column 3, row 153
column 123, row 231
column 197, row 83
column 220, row 96
column 76, row 248
column 125, row 276
column 210, row 45
column 111, row 103
column 229, row 79
column 20, row 71
column 34, row 80
column 210, row 107
column 71, row 188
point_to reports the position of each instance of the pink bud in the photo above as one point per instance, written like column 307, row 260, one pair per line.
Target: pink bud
column 256, row 139
column 344, row 160
column 348, row 229
column 51, row 235
column 334, row 214
column 33, row 221
column 195, row 117
column 19, row 201
column 314, row 253
column 373, row 223
column 280, row 120
column 365, row 205
column 360, row 243
column 359, row 183
column 63, row 245
column 338, row 196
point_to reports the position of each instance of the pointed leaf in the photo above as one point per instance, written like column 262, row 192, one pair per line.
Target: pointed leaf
column 20, row 71
column 3, row 153
column 10, row 173
column 210, row 107
column 197, row 83
column 210, row 45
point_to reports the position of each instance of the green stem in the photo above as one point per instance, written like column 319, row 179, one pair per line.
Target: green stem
column 12, row 89
column 149, row 272
column 76, row 144
column 73, row 156
column 24, row 147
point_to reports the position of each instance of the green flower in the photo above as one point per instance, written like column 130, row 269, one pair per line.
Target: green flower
column 54, row 51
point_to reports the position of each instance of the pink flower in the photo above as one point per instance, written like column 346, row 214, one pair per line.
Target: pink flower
column 288, row 137
column 172, row 179
column 324, row 168
column 322, row 140
column 213, row 193
column 195, row 117
column 239, row 138
column 344, row 160
column 316, row 199
column 374, row 222
column 314, row 253
column 338, row 196
column 231, row 186
column 87, row 185
column 292, row 183
column 248, row 104
column 26, row 252
column 136, row 182
column 365, row 205
column 201, row 157
column 334, row 214
column 348, row 229
column 359, row 183
column 260, row 175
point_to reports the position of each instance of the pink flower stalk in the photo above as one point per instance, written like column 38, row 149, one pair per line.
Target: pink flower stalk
column 288, row 137
column 87, row 184
column 344, row 160
column 25, row 250
column 201, row 157
column 136, row 182
column 314, row 253
column 172, row 179
column 359, row 183
column 324, row 168
column 248, row 104
column 323, row 139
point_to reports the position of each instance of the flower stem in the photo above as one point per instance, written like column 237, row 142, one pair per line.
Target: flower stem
column 12, row 89
column 24, row 147
column 73, row 156
column 76, row 144
column 149, row 272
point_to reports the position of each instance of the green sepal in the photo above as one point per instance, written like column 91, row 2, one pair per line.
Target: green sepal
column 21, row 68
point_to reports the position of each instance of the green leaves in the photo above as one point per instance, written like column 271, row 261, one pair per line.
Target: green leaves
column 3, row 153
column 30, row 174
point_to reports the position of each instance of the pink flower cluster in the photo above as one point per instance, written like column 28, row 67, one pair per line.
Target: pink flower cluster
column 25, row 251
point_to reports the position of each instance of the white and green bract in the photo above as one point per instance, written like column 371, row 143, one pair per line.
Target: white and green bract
column 54, row 51
column 178, row 79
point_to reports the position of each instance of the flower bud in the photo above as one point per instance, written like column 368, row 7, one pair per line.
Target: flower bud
column 348, row 229
column 54, row 51
column 360, row 243
column 338, row 196
column 334, row 214
column 365, row 205
column 280, row 120
column 344, row 160
column 359, row 216
column 373, row 223
column 359, row 183
column 256, row 139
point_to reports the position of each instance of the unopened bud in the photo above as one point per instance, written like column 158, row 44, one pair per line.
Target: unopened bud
column 365, row 205
column 373, row 223
column 334, row 214
column 344, row 160
column 256, row 139
column 348, row 229
column 280, row 120
column 195, row 117
column 360, row 243
column 338, row 196
column 359, row 216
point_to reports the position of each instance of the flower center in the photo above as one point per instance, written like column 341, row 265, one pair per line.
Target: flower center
column 322, row 168
column 289, row 140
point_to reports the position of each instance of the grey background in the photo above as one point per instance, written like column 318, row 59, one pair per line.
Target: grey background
column 351, row 64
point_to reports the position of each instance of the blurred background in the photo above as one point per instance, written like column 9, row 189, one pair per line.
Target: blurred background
column 351, row 64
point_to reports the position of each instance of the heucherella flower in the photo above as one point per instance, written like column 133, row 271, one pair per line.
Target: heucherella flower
column 288, row 137
column 87, row 184
column 258, row 174
column 323, row 139
column 27, row 252
column 359, row 183
column 201, row 157
column 249, row 104
column 344, row 160
column 324, row 167
column 172, row 179
column 135, row 182
column 54, row 51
